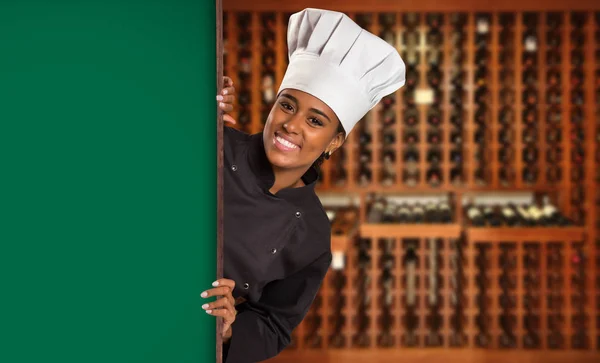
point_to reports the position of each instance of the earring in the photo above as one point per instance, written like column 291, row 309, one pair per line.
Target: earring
column 327, row 156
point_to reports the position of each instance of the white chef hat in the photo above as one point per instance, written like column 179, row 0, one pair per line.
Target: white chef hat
column 343, row 65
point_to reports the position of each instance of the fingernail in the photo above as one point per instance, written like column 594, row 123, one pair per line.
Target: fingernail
column 208, row 311
column 205, row 306
column 222, row 104
column 224, row 91
column 203, row 294
column 219, row 98
column 216, row 283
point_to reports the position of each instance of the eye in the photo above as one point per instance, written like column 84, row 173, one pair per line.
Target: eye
column 286, row 105
column 315, row 122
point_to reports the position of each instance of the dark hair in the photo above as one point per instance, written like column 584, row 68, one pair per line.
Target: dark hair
column 317, row 164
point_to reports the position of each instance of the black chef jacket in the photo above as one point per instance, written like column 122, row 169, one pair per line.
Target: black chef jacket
column 276, row 248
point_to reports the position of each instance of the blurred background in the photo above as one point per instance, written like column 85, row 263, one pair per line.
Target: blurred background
column 463, row 207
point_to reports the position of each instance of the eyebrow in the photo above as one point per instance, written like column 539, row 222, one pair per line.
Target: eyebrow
column 294, row 99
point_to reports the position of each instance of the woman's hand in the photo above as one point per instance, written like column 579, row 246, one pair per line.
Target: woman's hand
column 226, row 99
column 223, row 307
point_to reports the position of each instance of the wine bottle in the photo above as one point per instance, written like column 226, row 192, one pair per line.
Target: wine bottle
column 418, row 213
column 389, row 137
column 411, row 116
column 411, row 155
column 411, row 136
column 509, row 217
column 491, row 217
column 410, row 265
column 475, row 216
column 530, row 97
column 576, row 115
column 554, row 116
column 434, row 176
column 376, row 212
column 389, row 174
column 530, row 135
column 553, row 136
column 577, row 97
column 505, row 136
column 389, row 213
column 530, row 154
column 530, row 175
column 389, row 157
column 434, row 136
column 268, row 92
column 365, row 139
column 434, row 38
column 481, row 76
column 456, row 137
column 554, row 97
column 412, row 75
column 456, row 156
column 456, row 118
column 551, row 215
column 404, row 214
column 389, row 117
column 530, row 116
column 431, row 212
column 434, row 76
column 434, row 156
column 410, row 177
column 456, row 99
column 389, row 36
column 365, row 175
column 365, row 157
column 387, row 20
column 553, row 174
column 524, row 216
column 577, row 154
column 506, row 115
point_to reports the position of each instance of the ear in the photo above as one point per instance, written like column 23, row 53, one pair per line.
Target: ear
column 336, row 143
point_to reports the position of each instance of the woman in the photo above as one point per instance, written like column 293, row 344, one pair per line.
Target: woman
column 277, row 234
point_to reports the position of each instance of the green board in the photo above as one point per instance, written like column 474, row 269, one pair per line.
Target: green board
column 108, row 229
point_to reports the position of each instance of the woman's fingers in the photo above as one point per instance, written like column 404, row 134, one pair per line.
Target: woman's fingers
column 227, row 81
column 228, row 99
column 221, row 303
column 225, row 282
column 226, row 314
column 217, row 291
column 229, row 119
column 228, row 91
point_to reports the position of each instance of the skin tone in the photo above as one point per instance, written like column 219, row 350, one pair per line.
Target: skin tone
column 299, row 128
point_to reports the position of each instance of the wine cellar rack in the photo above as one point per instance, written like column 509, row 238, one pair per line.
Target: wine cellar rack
column 498, row 101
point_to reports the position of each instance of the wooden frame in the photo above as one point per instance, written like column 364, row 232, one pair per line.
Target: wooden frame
column 220, row 206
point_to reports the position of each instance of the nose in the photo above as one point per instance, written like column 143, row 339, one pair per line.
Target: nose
column 293, row 124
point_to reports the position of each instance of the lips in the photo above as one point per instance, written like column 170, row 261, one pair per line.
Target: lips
column 284, row 143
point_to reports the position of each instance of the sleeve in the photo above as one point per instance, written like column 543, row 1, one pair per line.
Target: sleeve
column 263, row 329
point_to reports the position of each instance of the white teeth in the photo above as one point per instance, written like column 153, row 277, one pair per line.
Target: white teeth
column 286, row 143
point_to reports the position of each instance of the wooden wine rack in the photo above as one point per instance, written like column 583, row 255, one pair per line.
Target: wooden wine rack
column 576, row 197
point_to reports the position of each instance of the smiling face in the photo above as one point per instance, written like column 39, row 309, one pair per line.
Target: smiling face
column 299, row 129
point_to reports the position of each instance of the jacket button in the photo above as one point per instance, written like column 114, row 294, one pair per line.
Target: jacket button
column 298, row 214
column 274, row 251
column 246, row 285
column 234, row 167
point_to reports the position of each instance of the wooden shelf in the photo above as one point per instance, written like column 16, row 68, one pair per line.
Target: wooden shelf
column 340, row 243
column 410, row 230
column 458, row 258
column 520, row 234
